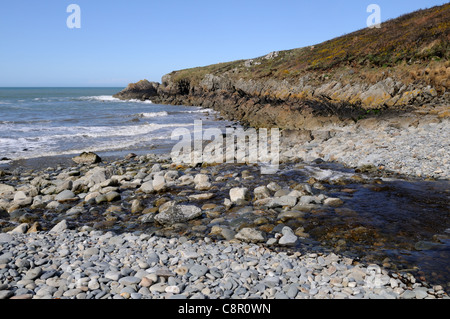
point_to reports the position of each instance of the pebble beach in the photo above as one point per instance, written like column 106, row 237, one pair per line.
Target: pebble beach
column 143, row 227
column 98, row 265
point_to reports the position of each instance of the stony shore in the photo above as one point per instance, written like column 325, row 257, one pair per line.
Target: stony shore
column 413, row 144
column 145, row 227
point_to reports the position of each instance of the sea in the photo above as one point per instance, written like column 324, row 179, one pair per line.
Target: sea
column 36, row 122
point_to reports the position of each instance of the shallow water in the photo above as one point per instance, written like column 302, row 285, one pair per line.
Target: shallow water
column 37, row 122
column 404, row 220
column 399, row 222
column 402, row 223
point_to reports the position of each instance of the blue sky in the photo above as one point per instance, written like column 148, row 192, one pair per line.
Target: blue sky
column 124, row 41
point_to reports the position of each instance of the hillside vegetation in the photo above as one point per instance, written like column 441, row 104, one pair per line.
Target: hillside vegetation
column 413, row 47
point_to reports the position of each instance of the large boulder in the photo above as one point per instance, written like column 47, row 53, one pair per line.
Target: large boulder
column 87, row 158
column 170, row 213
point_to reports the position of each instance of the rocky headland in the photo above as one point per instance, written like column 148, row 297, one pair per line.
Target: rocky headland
column 373, row 97
column 400, row 67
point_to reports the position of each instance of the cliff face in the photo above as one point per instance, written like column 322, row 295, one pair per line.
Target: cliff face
column 401, row 66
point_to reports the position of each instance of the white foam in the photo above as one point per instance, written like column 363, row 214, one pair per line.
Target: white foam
column 6, row 140
column 105, row 98
column 155, row 114
column 69, row 132
column 45, row 149
column 139, row 101
column 110, row 98
column 201, row 110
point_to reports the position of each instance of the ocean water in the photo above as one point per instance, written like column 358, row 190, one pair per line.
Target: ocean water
column 37, row 122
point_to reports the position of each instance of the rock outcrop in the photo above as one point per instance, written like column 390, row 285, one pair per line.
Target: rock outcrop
column 142, row 90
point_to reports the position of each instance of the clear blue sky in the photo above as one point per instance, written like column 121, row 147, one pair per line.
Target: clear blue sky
column 124, row 41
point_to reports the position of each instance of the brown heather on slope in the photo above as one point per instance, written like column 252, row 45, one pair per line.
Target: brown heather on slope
column 403, row 65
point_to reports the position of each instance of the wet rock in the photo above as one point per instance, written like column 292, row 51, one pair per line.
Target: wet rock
column 273, row 186
column 171, row 175
column 65, row 195
column 334, row 202
column 136, row 206
column 427, row 245
column 147, row 187
column 261, row 192
column 288, row 238
column 307, row 200
column 300, row 232
column 170, row 213
column 238, row 194
column 290, row 214
column 203, row 196
column 223, row 231
column 141, row 90
column 202, row 182
column 130, row 156
column 112, row 196
column 186, row 180
column 147, row 218
column 287, row 200
column 159, row 183
column 227, row 203
column 250, row 235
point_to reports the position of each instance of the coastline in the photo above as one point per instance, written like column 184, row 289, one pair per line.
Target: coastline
column 352, row 203
column 234, row 206
column 120, row 198
column 43, row 162
column 411, row 145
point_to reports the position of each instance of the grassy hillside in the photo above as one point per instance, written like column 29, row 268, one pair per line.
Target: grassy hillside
column 413, row 47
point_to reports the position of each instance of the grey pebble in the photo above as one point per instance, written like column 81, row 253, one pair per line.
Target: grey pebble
column 129, row 280
column 5, row 294
column 33, row 273
column 198, row 270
